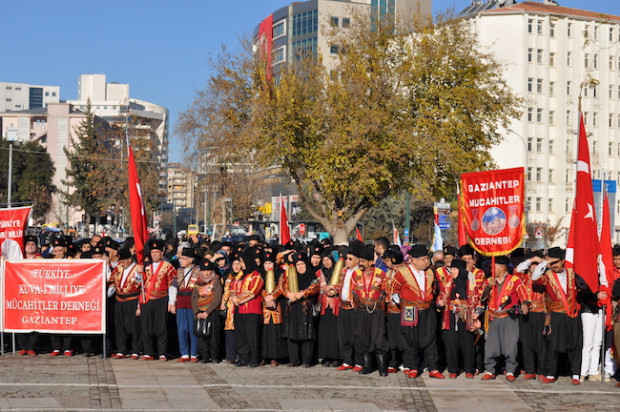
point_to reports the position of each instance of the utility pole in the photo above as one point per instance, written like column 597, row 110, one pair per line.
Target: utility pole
column 8, row 200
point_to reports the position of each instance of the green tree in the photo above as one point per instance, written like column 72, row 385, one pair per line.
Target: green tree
column 395, row 112
column 92, row 174
column 32, row 173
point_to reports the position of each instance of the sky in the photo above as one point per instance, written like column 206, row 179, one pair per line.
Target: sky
column 161, row 48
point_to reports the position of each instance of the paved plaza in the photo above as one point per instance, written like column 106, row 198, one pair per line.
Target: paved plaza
column 76, row 383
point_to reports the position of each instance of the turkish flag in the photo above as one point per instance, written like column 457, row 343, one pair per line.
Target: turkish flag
column 606, row 265
column 358, row 235
column 462, row 231
column 285, row 232
column 583, row 244
column 139, row 220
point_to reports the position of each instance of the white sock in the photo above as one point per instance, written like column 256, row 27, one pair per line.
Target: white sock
column 575, row 376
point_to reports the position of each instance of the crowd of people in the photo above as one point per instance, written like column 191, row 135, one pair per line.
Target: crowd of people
column 355, row 307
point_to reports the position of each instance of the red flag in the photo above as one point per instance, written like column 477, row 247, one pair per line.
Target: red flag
column 606, row 266
column 358, row 235
column 583, row 245
column 462, row 232
column 285, row 232
column 139, row 220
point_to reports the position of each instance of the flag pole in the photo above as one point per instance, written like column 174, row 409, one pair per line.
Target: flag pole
column 603, row 192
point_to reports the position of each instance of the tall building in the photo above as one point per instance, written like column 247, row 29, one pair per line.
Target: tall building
column 22, row 96
column 300, row 27
column 549, row 52
column 145, row 120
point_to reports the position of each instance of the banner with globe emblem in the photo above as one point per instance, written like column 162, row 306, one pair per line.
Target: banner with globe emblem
column 493, row 210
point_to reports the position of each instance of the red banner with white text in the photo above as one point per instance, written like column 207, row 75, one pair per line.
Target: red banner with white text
column 54, row 295
column 12, row 224
column 492, row 207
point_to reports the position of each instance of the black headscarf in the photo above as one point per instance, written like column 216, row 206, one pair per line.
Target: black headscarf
column 304, row 279
column 328, row 272
column 460, row 282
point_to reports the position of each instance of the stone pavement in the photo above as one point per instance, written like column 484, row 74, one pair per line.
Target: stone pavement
column 44, row 383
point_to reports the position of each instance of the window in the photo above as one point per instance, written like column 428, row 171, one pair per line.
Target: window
column 346, row 22
column 568, row 88
column 551, row 29
column 539, row 27
column 585, row 91
column 569, row 118
column 611, row 91
column 611, row 120
column 530, row 116
column 18, row 88
column 551, row 59
column 595, row 91
column 552, row 88
column 18, row 106
column 586, row 32
column 529, row 173
column 611, row 34
column 538, row 174
column 610, row 149
column 594, row 147
column 47, row 94
column 334, row 21
column 539, row 144
column 551, row 117
column 278, row 55
column 618, row 92
column 567, row 175
column 619, row 120
column 595, row 32
column 305, row 23
column 539, row 85
column 9, row 87
column 538, row 203
column 530, row 81
column 278, row 30
column 585, row 117
column 530, row 24
column 529, row 55
column 333, row 49
column 551, row 145
column 566, row 204
column 530, row 141
column 549, row 204
column 529, row 204
column 595, row 61
column 539, row 56
column 611, row 62
column 8, row 99
column 595, row 119
column 53, row 94
column 539, row 115
column 569, row 29
column 586, row 60
column 568, row 58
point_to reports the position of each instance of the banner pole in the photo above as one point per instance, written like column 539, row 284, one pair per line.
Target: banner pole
column 603, row 350
column 13, row 339
column 105, row 352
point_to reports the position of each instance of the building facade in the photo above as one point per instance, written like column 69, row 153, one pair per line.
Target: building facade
column 553, row 55
column 22, row 96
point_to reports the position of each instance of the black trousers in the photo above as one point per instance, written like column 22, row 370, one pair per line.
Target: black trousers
column 369, row 335
column 532, row 342
column 154, row 315
column 247, row 335
column 421, row 339
column 127, row 327
column 61, row 342
column 346, row 333
column 394, row 338
column 458, row 339
column 27, row 341
column 566, row 336
column 209, row 347
column 300, row 351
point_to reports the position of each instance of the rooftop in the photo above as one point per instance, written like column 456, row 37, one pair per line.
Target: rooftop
column 502, row 6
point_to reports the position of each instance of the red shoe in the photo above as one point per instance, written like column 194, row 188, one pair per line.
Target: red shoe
column 529, row 376
column 181, row 359
column 435, row 374
column 391, row 370
column 548, row 380
column 31, row 353
column 541, row 377
column 357, row 368
column 55, row 353
column 163, row 358
column 452, row 376
column 68, row 353
column 488, row 376
column 118, row 356
column 22, row 352
column 134, row 356
column 575, row 382
column 413, row 373
column 147, row 357
column 618, row 385
column 510, row 377
column 469, row 376
column 344, row 367
column 193, row 359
